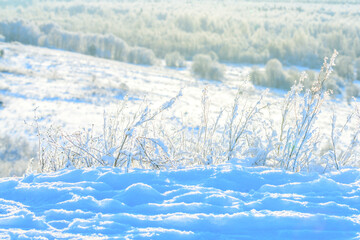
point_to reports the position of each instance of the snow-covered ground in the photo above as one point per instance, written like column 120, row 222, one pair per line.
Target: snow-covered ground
column 219, row 202
column 227, row 201
column 73, row 90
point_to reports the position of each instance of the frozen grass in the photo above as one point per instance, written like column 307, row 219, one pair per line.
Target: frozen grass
column 239, row 132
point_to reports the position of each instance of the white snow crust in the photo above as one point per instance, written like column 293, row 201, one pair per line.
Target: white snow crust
column 220, row 202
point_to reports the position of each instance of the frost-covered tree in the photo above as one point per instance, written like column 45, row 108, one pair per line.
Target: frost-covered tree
column 275, row 75
column 139, row 55
column 344, row 68
column 186, row 23
column 20, row 31
column 204, row 66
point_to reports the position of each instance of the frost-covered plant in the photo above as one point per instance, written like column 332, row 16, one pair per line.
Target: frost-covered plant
column 139, row 55
column 297, row 137
column 204, row 66
column 123, row 143
column 221, row 136
column 140, row 140
column 20, row 31
column 345, row 68
column 201, row 144
column 238, row 132
column 274, row 76
column 343, row 143
column 238, row 124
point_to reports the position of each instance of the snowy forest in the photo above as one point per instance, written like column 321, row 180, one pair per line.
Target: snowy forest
column 236, row 31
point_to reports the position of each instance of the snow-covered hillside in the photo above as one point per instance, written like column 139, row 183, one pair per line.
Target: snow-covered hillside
column 72, row 90
column 226, row 201
column 222, row 202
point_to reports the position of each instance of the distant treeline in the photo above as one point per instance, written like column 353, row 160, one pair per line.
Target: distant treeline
column 308, row 1
column 52, row 36
column 236, row 31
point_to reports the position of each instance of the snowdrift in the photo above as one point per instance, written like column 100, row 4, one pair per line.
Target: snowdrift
column 219, row 202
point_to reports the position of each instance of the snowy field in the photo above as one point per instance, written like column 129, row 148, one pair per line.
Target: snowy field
column 222, row 202
column 73, row 90
column 227, row 201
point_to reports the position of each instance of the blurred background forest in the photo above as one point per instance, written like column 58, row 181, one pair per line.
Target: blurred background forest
column 250, row 32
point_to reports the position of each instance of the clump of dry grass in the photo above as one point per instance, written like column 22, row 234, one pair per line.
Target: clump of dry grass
column 238, row 132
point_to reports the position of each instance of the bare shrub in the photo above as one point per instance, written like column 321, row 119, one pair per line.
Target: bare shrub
column 257, row 76
column 344, row 68
column 204, row 66
column 342, row 150
column 175, row 59
column 276, row 76
column 139, row 55
column 21, row 31
column 123, row 142
column 334, row 83
column 298, row 138
column 105, row 46
column 141, row 140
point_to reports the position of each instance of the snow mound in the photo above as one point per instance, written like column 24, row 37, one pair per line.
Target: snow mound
column 219, row 202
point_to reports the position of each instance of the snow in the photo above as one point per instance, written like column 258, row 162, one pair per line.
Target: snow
column 228, row 201
column 220, row 202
